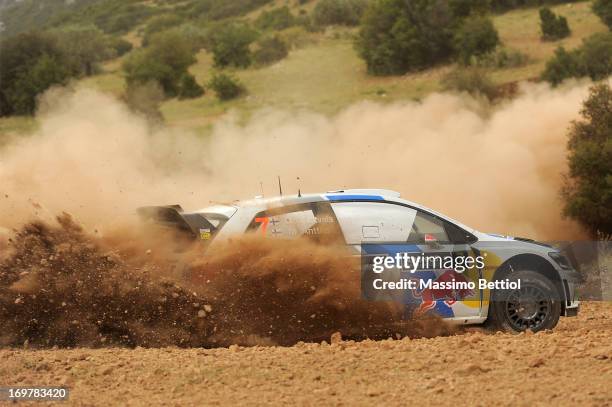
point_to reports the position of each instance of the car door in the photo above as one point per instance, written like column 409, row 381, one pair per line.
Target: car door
column 448, row 247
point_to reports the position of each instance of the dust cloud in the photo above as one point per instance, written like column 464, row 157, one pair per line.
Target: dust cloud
column 61, row 286
column 497, row 169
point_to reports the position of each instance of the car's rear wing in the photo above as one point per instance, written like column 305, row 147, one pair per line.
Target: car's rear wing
column 173, row 216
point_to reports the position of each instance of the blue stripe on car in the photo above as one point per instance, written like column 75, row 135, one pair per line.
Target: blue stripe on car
column 345, row 197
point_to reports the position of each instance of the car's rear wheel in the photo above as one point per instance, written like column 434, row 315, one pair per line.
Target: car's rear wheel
column 535, row 305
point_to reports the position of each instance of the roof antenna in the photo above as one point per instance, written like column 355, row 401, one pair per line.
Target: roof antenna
column 280, row 187
column 261, row 188
column 299, row 190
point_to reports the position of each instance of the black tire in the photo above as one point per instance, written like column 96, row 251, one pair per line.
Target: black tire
column 535, row 306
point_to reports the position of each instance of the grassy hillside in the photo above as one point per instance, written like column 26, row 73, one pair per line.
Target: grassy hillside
column 325, row 74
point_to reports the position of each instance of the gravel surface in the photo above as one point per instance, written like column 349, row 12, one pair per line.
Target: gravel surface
column 571, row 365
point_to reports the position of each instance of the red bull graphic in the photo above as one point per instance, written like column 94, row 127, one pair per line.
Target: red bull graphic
column 435, row 293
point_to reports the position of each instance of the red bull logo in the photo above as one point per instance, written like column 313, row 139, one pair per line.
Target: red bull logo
column 447, row 288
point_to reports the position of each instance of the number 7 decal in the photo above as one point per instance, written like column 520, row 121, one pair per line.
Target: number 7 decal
column 264, row 223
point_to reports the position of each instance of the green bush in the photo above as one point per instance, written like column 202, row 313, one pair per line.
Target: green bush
column 189, row 87
column 158, row 24
column 398, row 36
column 473, row 80
column 603, row 9
column 30, row 64
column 475, row 37
column 84, row 47
column 270, row 50
column 553, row 27
column 503, row 58
column 588, row 188
column 225, row 86
column 231, row 46
column 338, row 12
column 593, row 59
column 164, row 61
column 119, row 45
column 276, row 19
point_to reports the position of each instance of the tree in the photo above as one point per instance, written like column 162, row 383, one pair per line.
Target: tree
column 553, row 27
column 338, row 12
column 85, row 48
column 603, row 9
column 276, row 19
column 158, row 24
column 145, row 99
column 561, row 66
column 164, row 61
column 189, row 87
column 225, row 86
column 593, row 59
column 473, row 80
column 231, row 46
column 30, row 64
column 588, row 187
column 270, row 50
column 475, row 37
column 397, row 36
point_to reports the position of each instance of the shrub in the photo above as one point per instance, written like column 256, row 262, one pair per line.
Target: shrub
column 503, row 58
column 603, row 9
column 164, row 61
column 189, row 87
column 30, row 64
column 595, row 56
column 475, row 37
column 225, row 86
column 231, row 46
column 276, row 19
column 588, row 190
column 158, row 24
column 593, row 59
column 145, row 98
column 119, row 45
column 338, row 12
column 553, row 27
column 561, row 66
column 397, row 36
column 473, row 80
column 84, row 47
column 295, row 37
column 270, row 50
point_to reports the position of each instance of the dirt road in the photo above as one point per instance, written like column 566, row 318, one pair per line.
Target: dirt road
column 570, row 366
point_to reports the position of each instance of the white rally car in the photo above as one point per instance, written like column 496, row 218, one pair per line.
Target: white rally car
column 375, row 221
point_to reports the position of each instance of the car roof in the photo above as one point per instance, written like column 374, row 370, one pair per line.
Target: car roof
column 343, row 195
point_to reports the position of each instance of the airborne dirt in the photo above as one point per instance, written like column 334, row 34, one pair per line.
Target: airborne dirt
column 571, row 365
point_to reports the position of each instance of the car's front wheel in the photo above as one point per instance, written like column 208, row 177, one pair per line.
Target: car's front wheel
column 535, row 305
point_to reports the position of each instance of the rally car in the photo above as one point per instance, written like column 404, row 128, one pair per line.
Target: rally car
column 371, row 222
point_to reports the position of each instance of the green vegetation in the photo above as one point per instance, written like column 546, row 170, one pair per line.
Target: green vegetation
column 553, row 27
column 270, row 50
column 276, row 19
column 33, row 62
column 338, row 12
column 475, row 37
column 231, row 46
column 398, row 37
column 473, row 80
column 592, row 59
column 338, row 78
column 588, row 189
column 226, row 86
column 603, row 8
column 164, row 61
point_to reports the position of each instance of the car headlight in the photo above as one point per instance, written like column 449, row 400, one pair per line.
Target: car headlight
column 561, row 260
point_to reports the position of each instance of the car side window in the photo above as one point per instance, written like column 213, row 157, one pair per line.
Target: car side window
column 363, row 222
column 315, row 221
column 427, row 228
